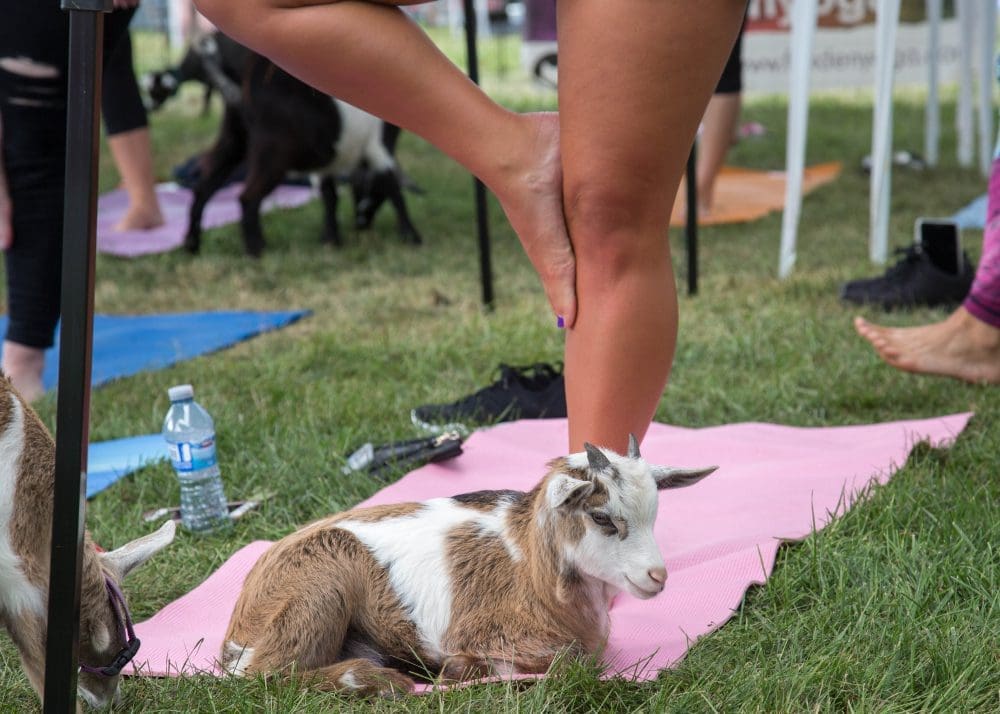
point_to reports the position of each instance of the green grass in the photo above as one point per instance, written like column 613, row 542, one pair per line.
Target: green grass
column 893, row 607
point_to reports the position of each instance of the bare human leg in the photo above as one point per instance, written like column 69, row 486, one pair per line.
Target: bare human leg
column 718, row 131
column 133, row 155
column 634, row 79
column 961, row 346
column 373, row 56
column 6, row 234
column 24, row 365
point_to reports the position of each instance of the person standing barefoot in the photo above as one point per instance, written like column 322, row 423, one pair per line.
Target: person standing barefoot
column 588, row 192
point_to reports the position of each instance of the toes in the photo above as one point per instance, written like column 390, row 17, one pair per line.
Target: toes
column 560, row 288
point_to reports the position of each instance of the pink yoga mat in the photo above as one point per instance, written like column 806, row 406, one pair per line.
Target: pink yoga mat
column 719, row 537
column 175, row 204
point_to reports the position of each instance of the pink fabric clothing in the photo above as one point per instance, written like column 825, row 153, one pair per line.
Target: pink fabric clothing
column 983, row 301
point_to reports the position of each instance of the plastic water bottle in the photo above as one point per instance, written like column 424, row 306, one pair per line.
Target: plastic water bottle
column 190, row 435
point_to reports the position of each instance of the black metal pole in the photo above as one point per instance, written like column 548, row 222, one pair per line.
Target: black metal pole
column 482, row 227
column 691, row 229
column 86, row 35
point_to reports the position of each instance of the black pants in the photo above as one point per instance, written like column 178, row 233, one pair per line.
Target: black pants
column 731, row 81
column 34, row 48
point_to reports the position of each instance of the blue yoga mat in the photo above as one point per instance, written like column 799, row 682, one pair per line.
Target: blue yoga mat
column 973, row 215
column 128, row 344
column 108, row 461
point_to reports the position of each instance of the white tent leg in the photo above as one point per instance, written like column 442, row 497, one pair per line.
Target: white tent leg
column 887, row 21
column 932, row 116
column 987, row 40
column 963, row 112
column 802, row 32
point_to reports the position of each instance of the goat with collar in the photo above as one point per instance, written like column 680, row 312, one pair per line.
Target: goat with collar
column 484, row 583
column 107, row 640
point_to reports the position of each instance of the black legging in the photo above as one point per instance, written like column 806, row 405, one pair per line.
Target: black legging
column 34, row 49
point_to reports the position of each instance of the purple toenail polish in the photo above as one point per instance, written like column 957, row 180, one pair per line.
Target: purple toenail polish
column 560, row 322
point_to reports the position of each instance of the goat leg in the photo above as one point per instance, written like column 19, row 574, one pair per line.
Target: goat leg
column 328, row 192
column 217, row 165
column 360, row 677
column 391, row 188
column 266, row 168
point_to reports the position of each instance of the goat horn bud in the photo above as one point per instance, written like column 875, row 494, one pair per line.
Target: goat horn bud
column 596, row 458
column 633, row 447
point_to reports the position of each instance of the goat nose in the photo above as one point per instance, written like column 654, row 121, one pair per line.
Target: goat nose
column 657, row 575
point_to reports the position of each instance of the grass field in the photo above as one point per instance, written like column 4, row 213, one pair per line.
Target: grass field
column 893, row 608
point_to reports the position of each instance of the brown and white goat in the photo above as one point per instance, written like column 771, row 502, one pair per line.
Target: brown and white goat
column 27, row 463
column 485, row 583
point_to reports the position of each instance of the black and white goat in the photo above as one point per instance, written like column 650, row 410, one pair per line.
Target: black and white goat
column 222, row 54
column 278, row 125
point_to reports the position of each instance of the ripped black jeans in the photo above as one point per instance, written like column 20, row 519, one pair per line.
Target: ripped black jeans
column 34, row 49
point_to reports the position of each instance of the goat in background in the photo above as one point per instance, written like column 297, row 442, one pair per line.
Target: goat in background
column 281, row 126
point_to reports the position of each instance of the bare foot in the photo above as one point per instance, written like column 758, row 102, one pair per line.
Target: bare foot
column 531, row 196
column 23, row 365
column 962, row 347
column 140, row 218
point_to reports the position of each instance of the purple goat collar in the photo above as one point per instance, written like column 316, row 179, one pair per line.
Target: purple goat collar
column 125, row 629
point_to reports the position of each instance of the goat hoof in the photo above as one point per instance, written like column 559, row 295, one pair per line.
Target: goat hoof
column 192, row 246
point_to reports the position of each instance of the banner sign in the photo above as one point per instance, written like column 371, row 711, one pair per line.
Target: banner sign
column 844, row 47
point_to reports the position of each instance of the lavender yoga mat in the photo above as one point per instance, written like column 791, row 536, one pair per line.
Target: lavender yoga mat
column 774, row 484
column 175, row 204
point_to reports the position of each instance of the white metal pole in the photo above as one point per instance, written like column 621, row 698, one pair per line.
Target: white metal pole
column 987, row 40
column 966, row 10
column 887, row 22
column 932, row 115
column 801, row 32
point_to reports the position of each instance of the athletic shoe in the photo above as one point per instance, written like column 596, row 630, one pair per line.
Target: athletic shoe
column 534, row 392
column 914, row 280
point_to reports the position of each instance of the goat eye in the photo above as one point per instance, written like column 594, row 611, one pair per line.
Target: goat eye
column 603, row 520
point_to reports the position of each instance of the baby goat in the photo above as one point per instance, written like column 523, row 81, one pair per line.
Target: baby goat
column 485, row 583
column 27, row 463
column 279, row 125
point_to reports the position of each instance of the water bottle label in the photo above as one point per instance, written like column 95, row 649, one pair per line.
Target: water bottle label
column 188, row 456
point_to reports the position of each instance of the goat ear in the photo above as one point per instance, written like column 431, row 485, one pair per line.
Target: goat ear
column 596, row 458
column 131, row 555
column 565, row 490
column 667, row 477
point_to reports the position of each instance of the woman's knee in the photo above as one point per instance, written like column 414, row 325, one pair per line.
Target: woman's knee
column 617, row 224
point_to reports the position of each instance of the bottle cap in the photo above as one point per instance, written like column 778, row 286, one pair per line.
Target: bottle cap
column 181, row 392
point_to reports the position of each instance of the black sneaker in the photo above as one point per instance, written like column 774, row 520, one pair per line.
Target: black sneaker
column 914, row 280
column 534, row 392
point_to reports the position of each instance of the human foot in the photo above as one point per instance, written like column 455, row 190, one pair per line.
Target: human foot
column 530, row 192
column 962, row 347
column 23, row 365
column 140, row 218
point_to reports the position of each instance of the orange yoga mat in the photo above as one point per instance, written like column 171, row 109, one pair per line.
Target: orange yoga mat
column 743, row 195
